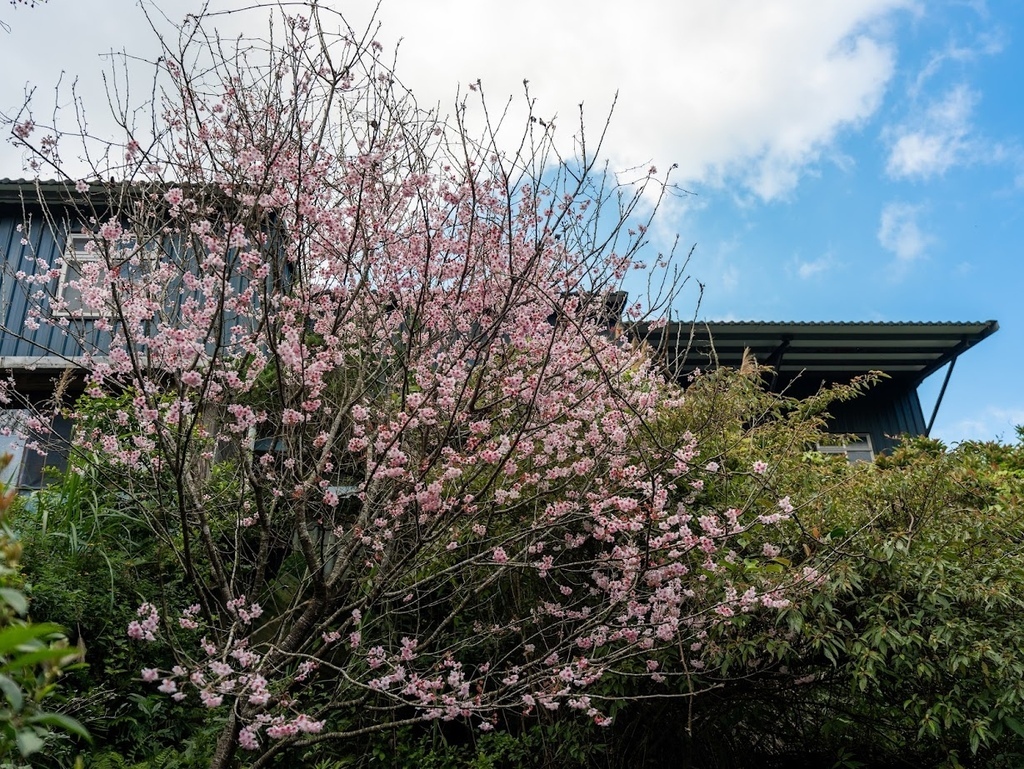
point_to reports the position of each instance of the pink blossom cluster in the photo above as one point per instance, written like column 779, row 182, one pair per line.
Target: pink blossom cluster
column 245, row 610
column 145, row 628
column 188, row 620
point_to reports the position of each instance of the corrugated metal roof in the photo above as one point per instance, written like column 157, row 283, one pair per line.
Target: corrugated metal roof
column 834, row 351
column 29, row 190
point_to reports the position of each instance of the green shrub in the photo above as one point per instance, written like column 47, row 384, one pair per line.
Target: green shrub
column 33, row 655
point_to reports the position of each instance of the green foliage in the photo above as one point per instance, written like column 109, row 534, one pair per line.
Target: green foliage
column 911, row 650
column 548, row 743
column 33, row 656
column 90, row 560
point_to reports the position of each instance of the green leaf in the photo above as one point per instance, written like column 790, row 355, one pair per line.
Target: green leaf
column 29, row 742
column 15, row 599
column 59, row 721
column 1014, row 724
column 13, row 637
column 12, row 692
column 28, row 659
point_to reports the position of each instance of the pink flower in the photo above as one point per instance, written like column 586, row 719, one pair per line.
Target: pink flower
column 303, row 723
column 247, row 738
column 408, row 649
column 209, row 699
column 305, row 668
column 760, row 467
column 82, row 186
column 144, row 629
column 111, row 231
column 499, row 555
column 24, row 129
column 150, row 674
column 187, row 619
column 769, row 550
column 220, row 668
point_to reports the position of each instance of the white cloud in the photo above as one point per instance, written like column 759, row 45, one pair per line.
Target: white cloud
column 746, row 93
column 990, row 423
column 988, row 43
column 809, row 269
column 730, row 278
column 743, row 91
column 939, row 139
column 899, row 232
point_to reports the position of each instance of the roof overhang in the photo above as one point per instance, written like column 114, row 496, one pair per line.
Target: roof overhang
column 30, row 192
column 826, row 351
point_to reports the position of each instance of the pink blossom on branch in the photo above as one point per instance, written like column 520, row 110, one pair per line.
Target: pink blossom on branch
column 144, row 628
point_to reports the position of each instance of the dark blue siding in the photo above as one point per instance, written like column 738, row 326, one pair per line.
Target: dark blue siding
column 15, row 339
column 885, row 413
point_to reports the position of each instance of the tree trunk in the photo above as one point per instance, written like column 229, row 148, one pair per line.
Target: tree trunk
column 227, row 743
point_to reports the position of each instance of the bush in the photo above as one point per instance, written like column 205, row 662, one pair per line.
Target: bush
column 911, row 650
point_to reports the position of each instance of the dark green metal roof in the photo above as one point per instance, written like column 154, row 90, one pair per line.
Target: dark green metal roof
column 29, row 191
column 828, row 351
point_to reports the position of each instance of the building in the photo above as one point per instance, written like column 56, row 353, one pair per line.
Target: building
column 34, row 360
column 803, row 356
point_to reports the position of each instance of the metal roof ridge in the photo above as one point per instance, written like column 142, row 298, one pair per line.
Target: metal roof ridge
column 837, row 322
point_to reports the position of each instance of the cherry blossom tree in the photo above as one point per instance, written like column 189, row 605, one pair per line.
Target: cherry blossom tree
column 362, row 368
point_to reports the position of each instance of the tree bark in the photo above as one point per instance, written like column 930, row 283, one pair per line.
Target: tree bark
column 227, row 743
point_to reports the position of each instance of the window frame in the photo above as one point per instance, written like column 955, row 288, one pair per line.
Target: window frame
column 860, row 445
column 73, row 258
column 149, row 259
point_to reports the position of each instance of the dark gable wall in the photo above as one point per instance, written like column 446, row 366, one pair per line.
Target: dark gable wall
column 15, row 339
column 886, row 413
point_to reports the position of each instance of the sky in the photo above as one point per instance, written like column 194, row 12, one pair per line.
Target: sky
column 850, row 160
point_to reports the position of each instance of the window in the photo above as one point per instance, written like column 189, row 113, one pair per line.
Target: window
column 49, row 456
column 131, row 261
column 76, row 255
column 11, row 443
column 856, row 447
column 46, row 453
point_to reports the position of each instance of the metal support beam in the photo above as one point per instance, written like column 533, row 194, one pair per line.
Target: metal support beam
column 938, row 402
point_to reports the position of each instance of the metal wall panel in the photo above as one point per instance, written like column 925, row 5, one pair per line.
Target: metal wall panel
column 884, row 413
column 42, row 243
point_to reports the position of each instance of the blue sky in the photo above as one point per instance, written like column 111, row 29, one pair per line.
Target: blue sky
column 914, row 213
column 851, row 159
